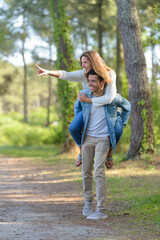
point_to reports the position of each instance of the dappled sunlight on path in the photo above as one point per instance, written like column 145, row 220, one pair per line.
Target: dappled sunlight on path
column 41, row 201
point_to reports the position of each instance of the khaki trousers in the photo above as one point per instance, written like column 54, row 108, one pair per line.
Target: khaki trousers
column 95, row 147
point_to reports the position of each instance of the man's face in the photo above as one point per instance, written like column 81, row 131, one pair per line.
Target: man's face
column 96, row 86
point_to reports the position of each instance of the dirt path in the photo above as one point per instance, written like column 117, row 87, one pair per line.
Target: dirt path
column 35, row 205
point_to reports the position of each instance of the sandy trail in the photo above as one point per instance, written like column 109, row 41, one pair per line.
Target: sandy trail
column 36, row 205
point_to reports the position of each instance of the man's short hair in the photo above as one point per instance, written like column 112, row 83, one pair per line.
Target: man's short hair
column 92, row 72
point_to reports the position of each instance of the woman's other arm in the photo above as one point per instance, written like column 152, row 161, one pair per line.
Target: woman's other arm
column 109, row 95
column 77, row 76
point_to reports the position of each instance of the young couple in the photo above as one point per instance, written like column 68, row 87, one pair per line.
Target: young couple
column 96, row 112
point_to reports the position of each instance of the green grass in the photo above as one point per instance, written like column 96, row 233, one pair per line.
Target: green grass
column 135, row 192
column 30, row 151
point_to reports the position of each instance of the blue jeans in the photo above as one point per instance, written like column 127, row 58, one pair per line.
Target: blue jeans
column 118, row 127
column 76, row 126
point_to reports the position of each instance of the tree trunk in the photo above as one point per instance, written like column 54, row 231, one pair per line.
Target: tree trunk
column 119, row 64
column 142, row 137
column 100, row 28
column 49, row 88
column 153, row 77
column 86, row 38
column 25, row 102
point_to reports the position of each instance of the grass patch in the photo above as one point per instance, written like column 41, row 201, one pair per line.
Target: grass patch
column 30, row 151
column 133, row 191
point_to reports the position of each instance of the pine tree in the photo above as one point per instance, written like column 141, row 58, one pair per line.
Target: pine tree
column 142, row 138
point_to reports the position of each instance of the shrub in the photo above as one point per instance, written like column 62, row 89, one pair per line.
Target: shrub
column 39, row 116
column 17, row 133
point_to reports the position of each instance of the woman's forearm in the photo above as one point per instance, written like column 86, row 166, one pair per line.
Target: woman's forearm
column 83, row 98
column 54, row 73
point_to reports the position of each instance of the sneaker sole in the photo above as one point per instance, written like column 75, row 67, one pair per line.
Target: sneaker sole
column 104, row 217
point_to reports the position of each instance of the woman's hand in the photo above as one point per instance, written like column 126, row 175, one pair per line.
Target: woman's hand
column 83, row 98
column 41, row 71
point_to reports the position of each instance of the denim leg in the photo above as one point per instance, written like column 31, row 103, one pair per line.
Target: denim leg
column 75, row 128
column 118, row 128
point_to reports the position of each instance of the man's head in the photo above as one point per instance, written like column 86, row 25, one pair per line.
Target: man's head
column 96, row 83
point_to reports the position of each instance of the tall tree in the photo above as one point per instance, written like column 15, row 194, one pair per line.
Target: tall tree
column 16, row 12
column 91, row 16
column 100, row 27
column 23, row 36
column 65, row 61
column 45, row 31
column 154, row 40
column 119, row 61
column 142, row 137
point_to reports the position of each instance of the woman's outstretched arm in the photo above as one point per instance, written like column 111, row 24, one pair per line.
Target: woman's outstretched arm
column 43, row 72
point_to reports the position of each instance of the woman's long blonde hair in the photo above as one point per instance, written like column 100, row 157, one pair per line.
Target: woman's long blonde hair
column 98, row 65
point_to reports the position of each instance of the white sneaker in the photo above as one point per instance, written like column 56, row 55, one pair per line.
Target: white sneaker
column 87, row 210
column 97, row 215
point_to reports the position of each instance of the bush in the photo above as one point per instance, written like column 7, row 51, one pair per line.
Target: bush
column 39, row 115
column 16, row 133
